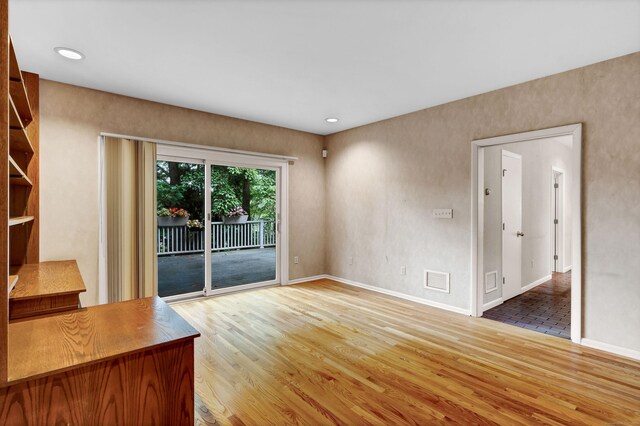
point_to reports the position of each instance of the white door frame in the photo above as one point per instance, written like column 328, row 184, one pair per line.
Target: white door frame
column 236, row 159
column 477, row 216
column 560, row 248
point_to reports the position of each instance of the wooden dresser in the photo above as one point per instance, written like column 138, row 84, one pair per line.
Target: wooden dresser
column 125, row 363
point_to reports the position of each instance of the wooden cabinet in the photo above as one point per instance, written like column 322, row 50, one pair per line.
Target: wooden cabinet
column 122, row 363
column 45, row 288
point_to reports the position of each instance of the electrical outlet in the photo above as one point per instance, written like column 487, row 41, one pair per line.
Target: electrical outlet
column 443, row 213
column 531, row 263
column 351, row 261
column 403, row 270
column 296, row 259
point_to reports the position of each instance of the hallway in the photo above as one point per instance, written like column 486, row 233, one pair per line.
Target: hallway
column 545, row 308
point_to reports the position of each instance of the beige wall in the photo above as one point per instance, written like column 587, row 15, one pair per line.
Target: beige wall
column 384, row 179
column 538, row 157
column 73, row 117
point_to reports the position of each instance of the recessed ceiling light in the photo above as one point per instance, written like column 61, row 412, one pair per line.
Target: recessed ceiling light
column 331, row 120
column 69, row 53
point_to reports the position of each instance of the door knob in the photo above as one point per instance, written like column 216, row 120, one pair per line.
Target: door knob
column 519, row 234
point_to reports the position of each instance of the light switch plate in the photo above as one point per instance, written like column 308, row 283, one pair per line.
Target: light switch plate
column 443, row 213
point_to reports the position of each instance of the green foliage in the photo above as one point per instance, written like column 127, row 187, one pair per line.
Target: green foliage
column 263, row 195
column 182, row 185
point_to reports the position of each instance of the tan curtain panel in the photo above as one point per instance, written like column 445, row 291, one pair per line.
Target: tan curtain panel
column 130, row 172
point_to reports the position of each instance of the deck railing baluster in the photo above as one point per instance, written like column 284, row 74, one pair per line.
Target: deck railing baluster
column 235, row 236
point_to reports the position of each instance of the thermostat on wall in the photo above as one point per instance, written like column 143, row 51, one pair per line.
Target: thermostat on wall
column 443, row 213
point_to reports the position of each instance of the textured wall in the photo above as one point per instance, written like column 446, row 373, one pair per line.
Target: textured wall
column 537, row 159
column 73, row 117
column 383, row 179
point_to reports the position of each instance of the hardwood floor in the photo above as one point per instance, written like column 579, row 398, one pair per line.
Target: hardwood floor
column 325, row 353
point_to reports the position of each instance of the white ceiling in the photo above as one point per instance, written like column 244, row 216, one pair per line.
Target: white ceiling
column 294, row 63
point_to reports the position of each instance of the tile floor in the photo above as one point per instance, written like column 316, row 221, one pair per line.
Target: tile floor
column 545, row 308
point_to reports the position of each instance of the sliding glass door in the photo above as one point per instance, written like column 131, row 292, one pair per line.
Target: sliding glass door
column 243, row 208
column 180, row 195
column 219, row 222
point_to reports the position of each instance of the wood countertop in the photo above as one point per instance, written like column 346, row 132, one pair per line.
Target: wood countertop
column 43, row 346
column 47, row 279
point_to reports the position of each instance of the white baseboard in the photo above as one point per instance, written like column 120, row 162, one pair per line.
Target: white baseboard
column 566, row 269
column 401, row 295
column 307, row 279
column 629, row 353
column 492, row 304
column 535, row 284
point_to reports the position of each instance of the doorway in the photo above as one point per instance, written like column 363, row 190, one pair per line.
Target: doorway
column 221, row 218
column 487, row 284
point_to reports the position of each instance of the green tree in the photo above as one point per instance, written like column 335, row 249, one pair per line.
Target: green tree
column 182, row 185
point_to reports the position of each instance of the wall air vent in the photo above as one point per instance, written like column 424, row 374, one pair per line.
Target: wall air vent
column 490, row 281
column 435, row 280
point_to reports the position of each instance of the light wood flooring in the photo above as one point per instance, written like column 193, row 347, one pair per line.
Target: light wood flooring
column 325, row 353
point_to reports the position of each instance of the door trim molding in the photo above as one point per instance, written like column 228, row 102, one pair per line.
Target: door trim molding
column 477, row 216
column 199, row 146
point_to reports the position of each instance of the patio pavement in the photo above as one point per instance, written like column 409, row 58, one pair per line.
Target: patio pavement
column 180, row 274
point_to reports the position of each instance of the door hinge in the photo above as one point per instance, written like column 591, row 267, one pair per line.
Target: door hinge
column 502, row 280
column 555, row 257
column 555, row 185
column 555, row 221
column 503, row 226
column 503, row 172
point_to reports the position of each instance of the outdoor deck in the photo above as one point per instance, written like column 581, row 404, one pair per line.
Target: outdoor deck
column 184, row 273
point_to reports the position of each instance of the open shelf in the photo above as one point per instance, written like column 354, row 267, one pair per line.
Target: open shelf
column 16, row 175
column 14, row 119
column 13, row 279
column 19, row 219
column 47, row 279
column 20, row 100
column 19, row 141
column 14, row 68
column 17, row 90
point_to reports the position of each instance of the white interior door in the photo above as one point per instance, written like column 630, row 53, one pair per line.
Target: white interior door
column 511, row 224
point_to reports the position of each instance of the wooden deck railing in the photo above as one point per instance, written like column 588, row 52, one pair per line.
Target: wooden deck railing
column 224, row 236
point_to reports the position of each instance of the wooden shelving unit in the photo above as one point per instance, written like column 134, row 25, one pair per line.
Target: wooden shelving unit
column 23, row 167
column 19, row 179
